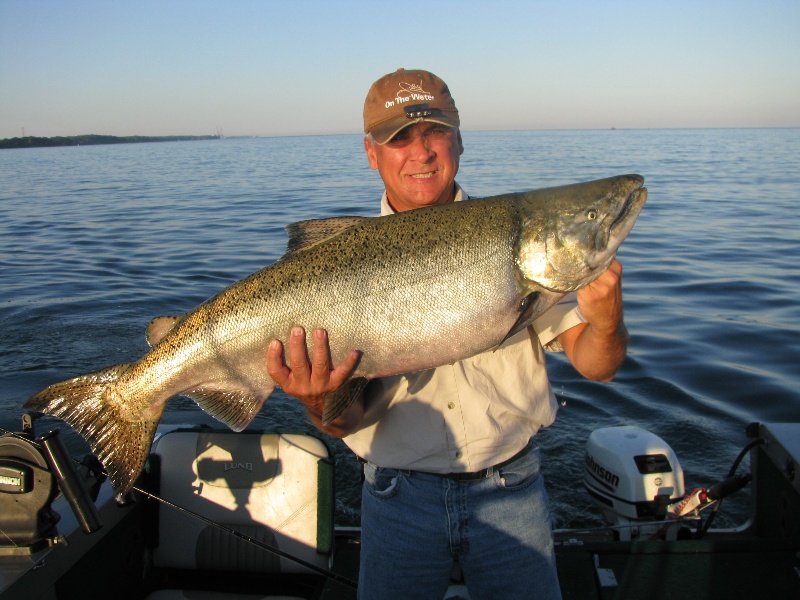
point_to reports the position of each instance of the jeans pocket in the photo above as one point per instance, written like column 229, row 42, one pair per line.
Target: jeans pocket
column 381, row 482
column 522, row 472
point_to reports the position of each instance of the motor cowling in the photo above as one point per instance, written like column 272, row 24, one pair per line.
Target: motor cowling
column 631, row 474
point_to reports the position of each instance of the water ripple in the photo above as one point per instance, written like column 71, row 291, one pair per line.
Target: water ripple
column 97, row 240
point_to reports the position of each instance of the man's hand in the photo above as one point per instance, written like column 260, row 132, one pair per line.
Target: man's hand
column 597, row 348
column 600, row 302
column 311, row 380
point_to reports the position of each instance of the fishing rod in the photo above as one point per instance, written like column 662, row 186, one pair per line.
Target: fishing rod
column 259, row 544
column 58, row 462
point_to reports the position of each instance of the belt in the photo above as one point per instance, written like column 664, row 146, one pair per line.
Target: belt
column 483, row 473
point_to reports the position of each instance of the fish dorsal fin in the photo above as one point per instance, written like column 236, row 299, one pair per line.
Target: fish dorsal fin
column 305, row 234
column 159, row 327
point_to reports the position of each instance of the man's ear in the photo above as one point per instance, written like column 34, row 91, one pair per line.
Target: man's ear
column 371, row 156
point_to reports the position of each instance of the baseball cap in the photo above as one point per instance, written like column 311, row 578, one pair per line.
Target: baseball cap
column 403, row 98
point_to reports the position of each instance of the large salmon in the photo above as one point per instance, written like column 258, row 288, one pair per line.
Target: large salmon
column 409, row 291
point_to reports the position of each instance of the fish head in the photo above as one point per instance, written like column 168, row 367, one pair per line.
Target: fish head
column 570, row 234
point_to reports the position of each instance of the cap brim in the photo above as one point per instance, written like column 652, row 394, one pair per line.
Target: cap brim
column 384, row 132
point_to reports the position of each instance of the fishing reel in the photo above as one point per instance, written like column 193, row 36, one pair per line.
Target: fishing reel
column 32, row 472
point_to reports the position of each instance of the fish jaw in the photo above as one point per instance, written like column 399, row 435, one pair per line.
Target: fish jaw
column 576, row 238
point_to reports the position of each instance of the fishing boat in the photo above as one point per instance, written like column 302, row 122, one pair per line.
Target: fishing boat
column 249, row 515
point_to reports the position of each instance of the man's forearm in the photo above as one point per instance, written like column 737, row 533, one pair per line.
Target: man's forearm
column 597, row 355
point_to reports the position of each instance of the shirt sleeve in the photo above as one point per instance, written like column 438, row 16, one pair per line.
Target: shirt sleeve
column 564, row 315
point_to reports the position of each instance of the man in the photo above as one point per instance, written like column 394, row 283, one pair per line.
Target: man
column 452, row 472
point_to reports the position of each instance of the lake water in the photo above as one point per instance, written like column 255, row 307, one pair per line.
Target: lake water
column 97, row 240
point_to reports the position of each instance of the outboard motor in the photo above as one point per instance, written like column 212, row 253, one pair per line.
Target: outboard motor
column 633, row 476
column 31, row 473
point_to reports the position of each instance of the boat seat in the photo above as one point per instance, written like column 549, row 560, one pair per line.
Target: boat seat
column 274, row 488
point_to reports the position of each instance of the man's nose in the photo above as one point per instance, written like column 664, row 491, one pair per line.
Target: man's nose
column 420, row 148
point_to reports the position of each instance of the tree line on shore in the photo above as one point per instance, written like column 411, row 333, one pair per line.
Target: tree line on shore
column 92, row 139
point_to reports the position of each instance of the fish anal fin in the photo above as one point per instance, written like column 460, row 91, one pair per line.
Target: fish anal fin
column 305, row 234
column 159, row 327
column 234, row 407
column 337, row 402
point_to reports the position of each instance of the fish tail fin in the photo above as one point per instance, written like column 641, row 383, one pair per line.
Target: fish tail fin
column 92, row 405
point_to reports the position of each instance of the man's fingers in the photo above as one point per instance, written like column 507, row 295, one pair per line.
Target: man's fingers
column 320, row 358
column 607, row 283
column 275, row 366
column 309, row 381
column 342, row 371
column 297, row 358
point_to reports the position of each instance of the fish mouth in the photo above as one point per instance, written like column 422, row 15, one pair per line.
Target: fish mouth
column 610, row 238
column 626, row 217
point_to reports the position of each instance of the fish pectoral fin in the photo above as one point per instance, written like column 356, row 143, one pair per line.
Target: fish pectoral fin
column 336, row 403
column 305, row 234
column 159, row 327
column 234, row 407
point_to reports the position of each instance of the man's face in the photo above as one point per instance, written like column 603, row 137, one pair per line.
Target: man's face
column 419, row 165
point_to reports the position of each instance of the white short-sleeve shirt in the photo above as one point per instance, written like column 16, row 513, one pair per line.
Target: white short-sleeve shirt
column 469, row 415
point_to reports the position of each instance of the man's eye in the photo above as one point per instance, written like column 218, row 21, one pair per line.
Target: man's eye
column 400, row 137
column 438, row 131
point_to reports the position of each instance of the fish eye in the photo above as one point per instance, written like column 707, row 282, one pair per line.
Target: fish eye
column 591, row 214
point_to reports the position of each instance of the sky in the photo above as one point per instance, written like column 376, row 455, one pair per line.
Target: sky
column 303, row 67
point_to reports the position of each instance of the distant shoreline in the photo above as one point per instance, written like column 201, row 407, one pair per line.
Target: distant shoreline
column 94, row 140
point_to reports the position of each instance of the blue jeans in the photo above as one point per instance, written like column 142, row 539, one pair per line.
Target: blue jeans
column 414, row 525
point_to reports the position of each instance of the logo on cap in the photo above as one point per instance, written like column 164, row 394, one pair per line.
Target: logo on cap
column 409, row 91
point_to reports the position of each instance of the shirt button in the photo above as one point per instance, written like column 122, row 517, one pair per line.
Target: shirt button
column 459, row 454
column 451, row 405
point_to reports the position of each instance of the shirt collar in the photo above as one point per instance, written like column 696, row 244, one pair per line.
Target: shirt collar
column 386, row 208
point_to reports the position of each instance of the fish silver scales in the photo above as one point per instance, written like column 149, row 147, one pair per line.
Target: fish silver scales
column 410, row 291
column 410, row 284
